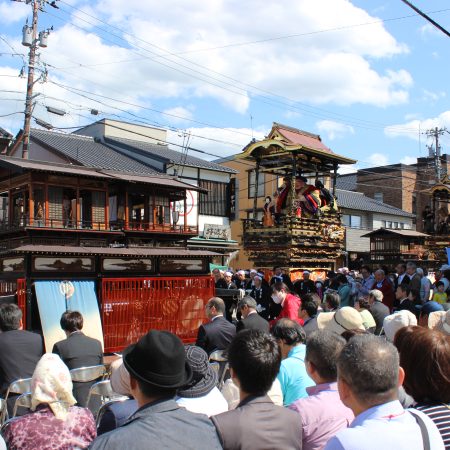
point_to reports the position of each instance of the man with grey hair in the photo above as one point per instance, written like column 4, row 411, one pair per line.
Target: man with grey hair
column 378, row 310
column 414, row 277
column 250, row 320
column 322, row 414
column 369, row 375
column 383, row 284
column 218, row 332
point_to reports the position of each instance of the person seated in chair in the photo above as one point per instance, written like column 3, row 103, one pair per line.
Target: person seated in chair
column 54, row 421
column 78, row 350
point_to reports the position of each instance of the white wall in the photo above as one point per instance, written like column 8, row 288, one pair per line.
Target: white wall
column 39, row 153
column 378, row 218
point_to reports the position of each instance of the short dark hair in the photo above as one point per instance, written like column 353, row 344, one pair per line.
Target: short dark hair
column 10, row 317
column 341, row 278
column 402, row 264
column 363, row 302
column 425, row 358
column 255, row 358
column 310, row 307
column 246, row 301
column 332, row 298
column 289, row 331
column 322, row 350
column 312, row 297
column 151, row 391
column 71, row 321
column 440, row 283
column 218, row 303
column 369, row 366
column 366, row 267
column 404, row 288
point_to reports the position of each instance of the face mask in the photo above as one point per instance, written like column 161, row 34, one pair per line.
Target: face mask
column 277, row 298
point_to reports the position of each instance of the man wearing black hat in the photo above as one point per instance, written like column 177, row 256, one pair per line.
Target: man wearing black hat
column 157, row 366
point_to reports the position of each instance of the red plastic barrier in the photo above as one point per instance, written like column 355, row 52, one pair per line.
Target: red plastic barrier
column 132, row 307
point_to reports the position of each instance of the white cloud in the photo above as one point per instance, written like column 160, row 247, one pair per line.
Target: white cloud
column 12, row 12
column 334, row 67
column 378, row 159
column 334, row 130
column 344, row 170
column 219, row 142
column 178, row 114
column 430, row 96
column 413, row 128
column 409, row 160
column 429, row 30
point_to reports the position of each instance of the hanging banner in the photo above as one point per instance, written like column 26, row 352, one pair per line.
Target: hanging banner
column 55, row 297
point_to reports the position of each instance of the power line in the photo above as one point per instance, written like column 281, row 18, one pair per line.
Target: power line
column 289, row 103
column 425, row 16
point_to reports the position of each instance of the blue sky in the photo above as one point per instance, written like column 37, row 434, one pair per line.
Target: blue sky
column 366, row 75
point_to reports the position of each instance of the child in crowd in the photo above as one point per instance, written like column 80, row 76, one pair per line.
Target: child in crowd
column 439, row 295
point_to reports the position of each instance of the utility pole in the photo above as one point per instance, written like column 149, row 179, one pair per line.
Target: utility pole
column 32, row 40
column 435, row 133
column 30, row 82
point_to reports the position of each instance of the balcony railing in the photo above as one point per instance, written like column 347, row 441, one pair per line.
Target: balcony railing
column 97, row 226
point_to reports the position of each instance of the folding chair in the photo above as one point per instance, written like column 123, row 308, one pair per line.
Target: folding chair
column 20, row 386
column 3, row 409
column 103, row 390
column 24, row 401
column 104, row 406
column 86, row 374
column 218, row 358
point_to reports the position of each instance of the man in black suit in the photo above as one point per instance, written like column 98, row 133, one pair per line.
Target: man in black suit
column 262, row 294
column 20, row 350
column 251, row 320
column 78, row 350
column 305, row 286
column 218, row 332
column 402, row 299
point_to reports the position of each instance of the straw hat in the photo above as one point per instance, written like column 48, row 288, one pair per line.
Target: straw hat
column 345, row 319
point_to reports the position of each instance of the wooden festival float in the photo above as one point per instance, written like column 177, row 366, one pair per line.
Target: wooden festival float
column 290, row 235
column 109, row 238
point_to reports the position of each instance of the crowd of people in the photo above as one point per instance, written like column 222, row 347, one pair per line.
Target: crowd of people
column 355, row 361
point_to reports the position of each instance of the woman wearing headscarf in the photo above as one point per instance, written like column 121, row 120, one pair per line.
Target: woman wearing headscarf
column 54, row 423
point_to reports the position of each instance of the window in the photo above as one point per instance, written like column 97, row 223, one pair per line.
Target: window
column 383, row 224
column 216, row 202
column 251, row 184
column 351, row 221
column 378, row 196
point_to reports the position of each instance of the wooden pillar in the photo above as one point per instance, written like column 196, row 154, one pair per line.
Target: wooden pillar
column 30, row 204
column 185, row 210
column 107, row 208
column 155, row 216
column 334, row 179
column 10, row 208
column 146, row 223
column 78, row 223
column 292, row 213
column 255, row 198
column 127, row 210
column 46, row 205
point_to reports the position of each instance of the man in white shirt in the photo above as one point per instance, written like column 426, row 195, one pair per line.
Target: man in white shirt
column 369, row 375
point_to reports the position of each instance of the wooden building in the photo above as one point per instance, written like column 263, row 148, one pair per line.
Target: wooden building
column 294, row 240
column 66, row 223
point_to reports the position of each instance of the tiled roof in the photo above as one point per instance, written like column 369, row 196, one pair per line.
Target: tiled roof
column 358, row 201
column 347, row 182
column 296, row 136
column 85, row 151
column 165, row 154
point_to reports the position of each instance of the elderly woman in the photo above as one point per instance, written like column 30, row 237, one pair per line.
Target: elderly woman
column 425, row 358
column 55, row 422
